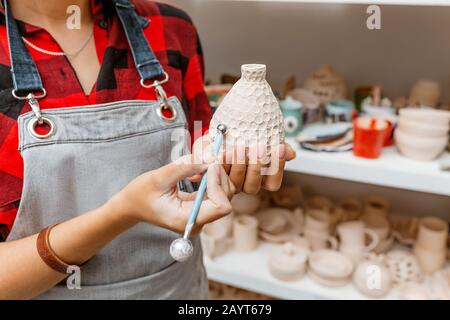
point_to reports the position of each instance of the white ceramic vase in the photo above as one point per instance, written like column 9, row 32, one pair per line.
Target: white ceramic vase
column 250, row 111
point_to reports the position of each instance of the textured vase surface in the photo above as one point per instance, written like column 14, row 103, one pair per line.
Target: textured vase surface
column 250, row 111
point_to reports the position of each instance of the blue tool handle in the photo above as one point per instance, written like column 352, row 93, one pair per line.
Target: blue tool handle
column 202, row 189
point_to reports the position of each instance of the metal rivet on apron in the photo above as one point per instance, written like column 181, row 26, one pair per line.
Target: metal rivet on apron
column 33, row 123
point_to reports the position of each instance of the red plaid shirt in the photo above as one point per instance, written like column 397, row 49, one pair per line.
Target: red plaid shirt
column 172, row 37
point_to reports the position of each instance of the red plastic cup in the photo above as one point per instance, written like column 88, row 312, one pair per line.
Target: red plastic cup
column 369, row 137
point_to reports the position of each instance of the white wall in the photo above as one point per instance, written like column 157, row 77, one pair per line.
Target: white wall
column 294, row 38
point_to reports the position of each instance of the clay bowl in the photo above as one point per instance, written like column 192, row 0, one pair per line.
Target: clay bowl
column 419, row 148
column 432, row 116
column 329, row 264
column 422, row 129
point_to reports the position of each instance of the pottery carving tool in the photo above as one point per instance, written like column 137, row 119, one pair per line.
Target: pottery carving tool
column 182, row 249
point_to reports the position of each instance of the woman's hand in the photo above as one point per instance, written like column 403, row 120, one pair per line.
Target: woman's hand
column 248, row 168
column 154, row 197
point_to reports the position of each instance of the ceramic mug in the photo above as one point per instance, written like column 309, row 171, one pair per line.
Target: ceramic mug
column 432, row 234
column 214, row 241
column 369, row 137
column 379, row 224
column 292, row 114
column 225, row 223
column 318, row 221
column 340, row 110
column 319, row 203
column 245, row 233
column 352, row 237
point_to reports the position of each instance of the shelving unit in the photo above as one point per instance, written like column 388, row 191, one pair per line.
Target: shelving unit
column 390, row 170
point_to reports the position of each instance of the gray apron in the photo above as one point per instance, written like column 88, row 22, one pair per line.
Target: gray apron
column 90, row 154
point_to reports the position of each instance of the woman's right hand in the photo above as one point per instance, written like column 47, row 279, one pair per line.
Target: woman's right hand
column 154, row 197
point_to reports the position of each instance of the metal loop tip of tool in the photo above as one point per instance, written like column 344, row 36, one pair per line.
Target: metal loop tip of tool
column 182, row 249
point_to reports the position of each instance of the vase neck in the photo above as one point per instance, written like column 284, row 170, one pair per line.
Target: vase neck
column 253, row 72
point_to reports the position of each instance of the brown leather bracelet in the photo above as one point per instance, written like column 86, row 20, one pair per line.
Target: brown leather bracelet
column 46, row 252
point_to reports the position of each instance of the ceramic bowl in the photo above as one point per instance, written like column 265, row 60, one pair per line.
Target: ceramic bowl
column 422, row 129
column 419, row 148
column 330, row 264
column 433, row 116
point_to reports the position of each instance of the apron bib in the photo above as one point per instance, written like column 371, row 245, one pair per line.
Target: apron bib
column 90, row 154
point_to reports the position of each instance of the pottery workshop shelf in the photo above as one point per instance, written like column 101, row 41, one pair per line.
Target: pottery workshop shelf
column 378, row 2
column 250, row 271
column 390, row 170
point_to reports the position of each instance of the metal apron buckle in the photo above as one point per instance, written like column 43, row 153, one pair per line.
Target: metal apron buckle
column 39, row 119
column 164, row 104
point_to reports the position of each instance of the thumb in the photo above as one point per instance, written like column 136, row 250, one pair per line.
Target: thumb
column 178, row 170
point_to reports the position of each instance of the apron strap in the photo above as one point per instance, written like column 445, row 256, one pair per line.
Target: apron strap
column 145, row 59
column 26, row 78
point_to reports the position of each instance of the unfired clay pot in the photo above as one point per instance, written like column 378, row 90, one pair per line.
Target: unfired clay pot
column 245, row 233
column 317, row 229
column 425, row 93
column 404, row 267
column 431, row 244
column 289, row 197
column 348, row 209
column 288, row 263
column 223, row 224
column 376, row 204
column 244, row 203
column 372, row 278
column 250, row 111
column 326, row 84
column 319, row 203
column 215, row 241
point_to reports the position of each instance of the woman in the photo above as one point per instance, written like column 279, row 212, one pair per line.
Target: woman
column 87, row 177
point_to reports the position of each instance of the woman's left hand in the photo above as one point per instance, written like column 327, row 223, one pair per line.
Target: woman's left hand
column 249, row 173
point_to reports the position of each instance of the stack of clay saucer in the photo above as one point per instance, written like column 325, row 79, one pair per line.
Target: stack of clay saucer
column 330, row 268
